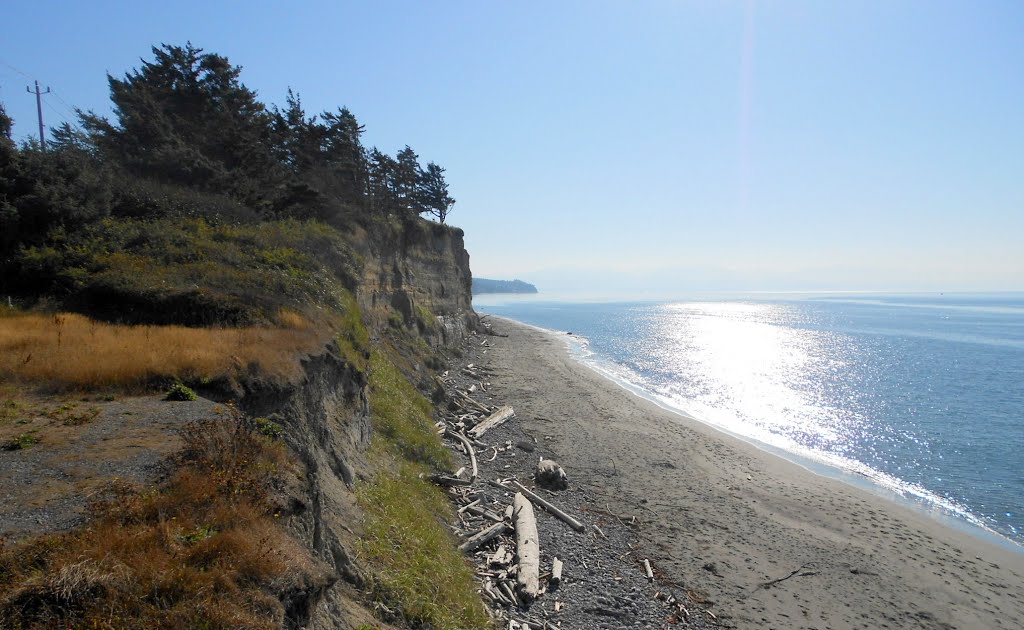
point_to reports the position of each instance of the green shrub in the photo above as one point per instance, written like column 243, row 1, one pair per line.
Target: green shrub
column 269, row 428
column 21, row 442
column 180, row 392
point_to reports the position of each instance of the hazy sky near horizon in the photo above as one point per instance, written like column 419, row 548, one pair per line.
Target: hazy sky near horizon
column 635, row 146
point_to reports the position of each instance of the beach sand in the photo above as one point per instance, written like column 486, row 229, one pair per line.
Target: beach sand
column 769, row 542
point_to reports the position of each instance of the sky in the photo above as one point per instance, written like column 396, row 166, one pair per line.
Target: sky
column 647, row 147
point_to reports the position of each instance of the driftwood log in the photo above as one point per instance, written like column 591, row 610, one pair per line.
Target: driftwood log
column 483, row 536
column 498, row 418
column 527, row 547
column 550, row 475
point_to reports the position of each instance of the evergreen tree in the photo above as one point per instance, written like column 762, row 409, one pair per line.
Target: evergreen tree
column 186, row 118
column 407, row 181
column 433, row 192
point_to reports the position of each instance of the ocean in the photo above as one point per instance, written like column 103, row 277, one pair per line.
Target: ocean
column 920, row 396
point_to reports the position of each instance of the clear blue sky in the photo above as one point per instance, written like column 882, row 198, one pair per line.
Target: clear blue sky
column 635, row 145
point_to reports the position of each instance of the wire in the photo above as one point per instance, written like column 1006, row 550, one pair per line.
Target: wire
column 16, row 70
column 57, row 111
column 72, row 110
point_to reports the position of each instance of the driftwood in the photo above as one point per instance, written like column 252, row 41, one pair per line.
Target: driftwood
column 550, row 475
column 527, row 547
column 648, row 571
column 445, row 480
column 483, row 536
column 557, row 512
column 499, row 417
column 469, row 449
column 556, row 573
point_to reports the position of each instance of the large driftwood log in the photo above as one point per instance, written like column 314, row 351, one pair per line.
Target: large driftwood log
column 547, row 505
column 499, row 417
column 550, row 475
column 483, row 536
column 527, row 547
column 469, row 449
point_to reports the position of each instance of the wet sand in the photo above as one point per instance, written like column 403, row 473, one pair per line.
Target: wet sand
column 769, row 542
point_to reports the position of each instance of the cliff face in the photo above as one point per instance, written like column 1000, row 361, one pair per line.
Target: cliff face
column 423, row 277
column 327, row 420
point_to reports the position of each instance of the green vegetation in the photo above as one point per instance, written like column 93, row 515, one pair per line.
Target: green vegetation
column 20, row 442
column 181, row 393
column 419, row 570
column 354, row 339
column 269, row 428
column 403, row 416
column 200, row 205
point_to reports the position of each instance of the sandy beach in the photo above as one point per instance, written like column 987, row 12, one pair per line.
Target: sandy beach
column 772, row 544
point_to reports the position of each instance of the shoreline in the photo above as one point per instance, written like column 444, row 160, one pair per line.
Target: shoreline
column 932, row 508
column 769, row 540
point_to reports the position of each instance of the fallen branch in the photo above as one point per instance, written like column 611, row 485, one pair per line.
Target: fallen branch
column 557, row 512
column 469, row 449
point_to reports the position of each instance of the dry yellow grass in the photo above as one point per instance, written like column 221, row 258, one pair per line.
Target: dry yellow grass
column 72, row 351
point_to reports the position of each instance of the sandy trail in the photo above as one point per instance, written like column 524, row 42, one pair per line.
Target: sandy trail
column 772, row 544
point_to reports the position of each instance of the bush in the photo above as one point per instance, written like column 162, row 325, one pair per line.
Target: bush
column 180, row 392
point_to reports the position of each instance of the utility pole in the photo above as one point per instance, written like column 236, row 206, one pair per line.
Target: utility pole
column 39, row 109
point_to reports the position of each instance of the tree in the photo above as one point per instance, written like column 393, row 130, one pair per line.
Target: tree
column 186, row 118
column 382, row 169
column 407, row 181
column 433, row 192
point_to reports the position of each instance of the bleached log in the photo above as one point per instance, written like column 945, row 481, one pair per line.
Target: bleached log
column 483, row 536
column 556, row 573
column 648, row 571
column 469, row 448
column 527, row 547
column 499, row 417
column 547, row 505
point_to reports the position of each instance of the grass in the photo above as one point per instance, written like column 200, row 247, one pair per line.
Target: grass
column 204, row 550
column 71, row 351
column 354, row 339
column 403, row 416
column 418, row 569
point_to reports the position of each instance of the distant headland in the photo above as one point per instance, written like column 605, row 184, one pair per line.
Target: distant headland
column 485, row 285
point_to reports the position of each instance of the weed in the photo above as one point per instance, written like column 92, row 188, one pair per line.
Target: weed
column 269, row 428
column 69, row 415
column 180, row 392
column 21, row 442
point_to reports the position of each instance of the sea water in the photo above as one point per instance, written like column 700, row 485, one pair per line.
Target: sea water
column 920, row 394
